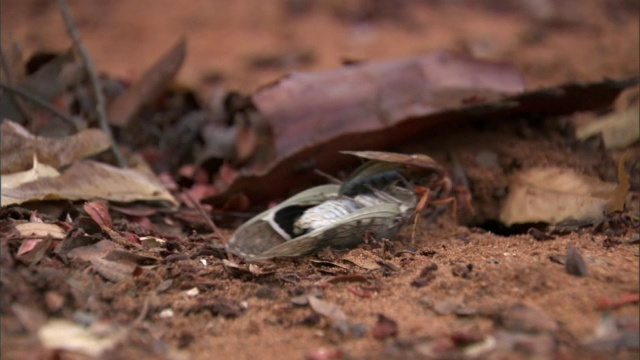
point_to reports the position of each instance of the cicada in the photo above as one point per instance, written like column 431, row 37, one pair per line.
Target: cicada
column 375, row 201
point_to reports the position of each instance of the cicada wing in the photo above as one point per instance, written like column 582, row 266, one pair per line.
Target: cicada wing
column 262, row 232
column 254, row 239
column 382, row 221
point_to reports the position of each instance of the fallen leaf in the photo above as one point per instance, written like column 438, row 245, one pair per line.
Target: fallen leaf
column 40, row 230
column 94, row 251
column 153, row 81
column 99, row 212
column 332, row 311
column 31, row 251
column 115, row 271
column 554, row 195
column 61, row 334
column 37, row 237
column 38, row 171
column 88, row 179
column 620, row 128
column 388, row 104
column 19, row 146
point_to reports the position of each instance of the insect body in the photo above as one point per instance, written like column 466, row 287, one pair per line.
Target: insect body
column 375, row 200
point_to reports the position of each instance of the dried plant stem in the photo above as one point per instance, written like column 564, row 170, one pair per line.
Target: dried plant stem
column 103, row 119
column 206, row 218
column 34, row 98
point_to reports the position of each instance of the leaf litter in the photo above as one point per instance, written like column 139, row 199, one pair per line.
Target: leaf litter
column 78, row 263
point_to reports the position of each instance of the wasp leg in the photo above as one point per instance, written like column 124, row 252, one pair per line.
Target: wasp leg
column 422, row 203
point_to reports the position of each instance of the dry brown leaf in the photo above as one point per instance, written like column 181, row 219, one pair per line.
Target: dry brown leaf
column 18, row 147
column 387, row 104
column 91, row 252
column 88, row 179
column 331, row 311
column 148, row 87
column 115, row 271
column 553, row 195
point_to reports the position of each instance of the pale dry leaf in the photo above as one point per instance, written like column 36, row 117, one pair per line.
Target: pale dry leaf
column 619, row 128
column 18, row 146
column 89, row 179
column 62, row 334
column 553, row 195
column 40, row 230
column 38, row 171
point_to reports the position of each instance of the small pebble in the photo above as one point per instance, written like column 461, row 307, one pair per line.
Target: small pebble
column 575, row 264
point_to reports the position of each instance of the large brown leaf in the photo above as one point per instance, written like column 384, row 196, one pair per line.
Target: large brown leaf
column 313, row 116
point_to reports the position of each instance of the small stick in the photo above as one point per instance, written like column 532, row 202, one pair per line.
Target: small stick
column 103, row 118
column 40, row 102
column 143, row 313
column 206, row 218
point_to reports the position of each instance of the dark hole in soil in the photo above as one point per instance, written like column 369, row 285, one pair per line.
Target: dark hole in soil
column 498, row 228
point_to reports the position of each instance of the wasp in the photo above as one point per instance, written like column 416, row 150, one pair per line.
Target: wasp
column 374, row 201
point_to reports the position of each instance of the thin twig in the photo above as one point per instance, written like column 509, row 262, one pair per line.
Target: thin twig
column 206, row 218
column 103, row 119
column 143, row 313
column 40, row 102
